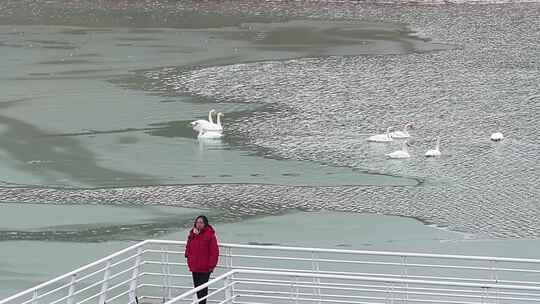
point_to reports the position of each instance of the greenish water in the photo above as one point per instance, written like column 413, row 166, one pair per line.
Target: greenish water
column 69, row 119
column 55, row 217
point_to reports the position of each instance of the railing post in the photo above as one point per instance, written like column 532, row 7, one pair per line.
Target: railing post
column 495, row 278
column 134, row 276
column 70, row 299
column 34, row 297
column 291, row 293
column 165, row 269
column 229, row 252
column 228, row 258
column 315, row 267
column 494, row 275
column 392, row 293
column 405, row 275
column 388, row 293
column 169, row 279
column 228, row 267
column 297, row 290
column 105, row 284
column 485, row 295
column 228, row 290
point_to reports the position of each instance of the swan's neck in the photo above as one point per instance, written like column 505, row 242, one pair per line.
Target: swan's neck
column 405, row 149
column 437, row 146
column 219, row 120
column 210, row 117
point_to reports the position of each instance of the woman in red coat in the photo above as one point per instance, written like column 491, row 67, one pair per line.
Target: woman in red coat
column 202, row 253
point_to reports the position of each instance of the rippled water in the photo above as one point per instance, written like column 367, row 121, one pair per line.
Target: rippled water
column 335, row 83
column 323, row 109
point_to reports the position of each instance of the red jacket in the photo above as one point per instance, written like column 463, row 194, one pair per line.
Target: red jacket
column 202, row 250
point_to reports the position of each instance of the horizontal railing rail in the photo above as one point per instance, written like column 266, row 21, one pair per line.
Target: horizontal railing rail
column 227, row 289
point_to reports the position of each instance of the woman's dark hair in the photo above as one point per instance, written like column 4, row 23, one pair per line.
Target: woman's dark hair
column 204, row 218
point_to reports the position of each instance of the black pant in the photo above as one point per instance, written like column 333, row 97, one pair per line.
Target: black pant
column 200, row 278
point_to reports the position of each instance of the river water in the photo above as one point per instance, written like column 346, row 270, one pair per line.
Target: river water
column 97, row 98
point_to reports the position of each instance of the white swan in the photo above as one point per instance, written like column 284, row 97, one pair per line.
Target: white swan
column 403, row 153
column 404, row 133
column 201, row 123
column 219, row 120
column 215, row 126
column 381, row 137
column 206, row 134
column 434, row 152
column 497, row 136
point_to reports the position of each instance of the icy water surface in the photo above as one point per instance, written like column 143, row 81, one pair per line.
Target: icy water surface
column 324, row 108
column 76, row 113
column 302, row 86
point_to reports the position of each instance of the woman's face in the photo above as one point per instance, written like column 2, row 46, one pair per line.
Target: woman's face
column 199, row 224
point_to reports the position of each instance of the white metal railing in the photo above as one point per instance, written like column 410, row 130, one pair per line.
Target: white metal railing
column 257, row 286
column 155, row 270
